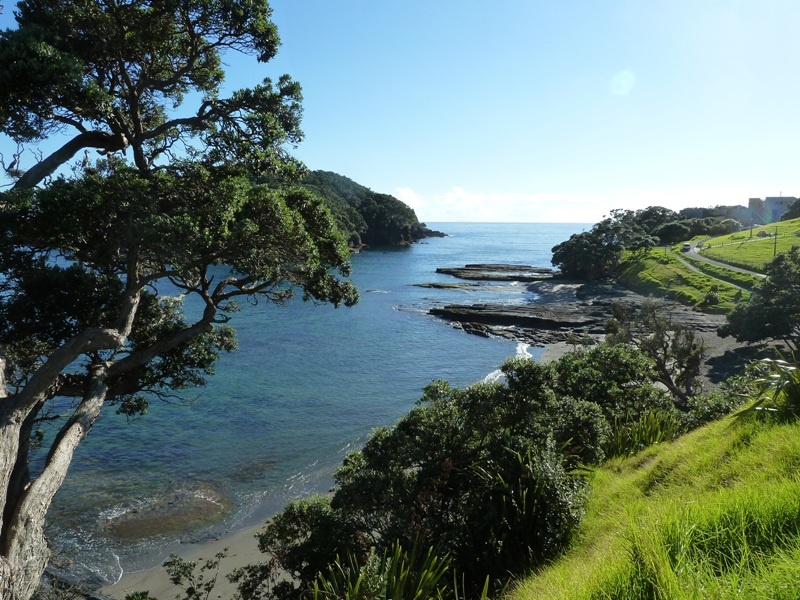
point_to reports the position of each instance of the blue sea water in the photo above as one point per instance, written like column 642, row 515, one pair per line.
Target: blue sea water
column 307, row 385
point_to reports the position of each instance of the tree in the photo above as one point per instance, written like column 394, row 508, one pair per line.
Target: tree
column 674, row 350
column 597, row 254
column 83, row 257
column 618, row 378
column 672, row 232
column 793, row 212
column 773, row 312
column 653, row 217
column 484, row 473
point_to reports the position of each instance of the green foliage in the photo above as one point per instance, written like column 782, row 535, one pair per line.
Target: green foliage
column 676, row 351
column 618, row 378
column 673, row 232
column 774, row 311
column 396, row 574
column 631, row 436
column 654, row 217
column 778, row 383
column 303, row 540
column 110, row 74
column 363, row 215
column 473, row 471
column 177, row 225
column 83, row 256
column 439, row 475
column 490, row 474
column 598, row 253
column 713, row 405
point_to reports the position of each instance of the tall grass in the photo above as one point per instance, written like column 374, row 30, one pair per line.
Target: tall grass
column 713, row 514
column 396, row 575
column 732, row 546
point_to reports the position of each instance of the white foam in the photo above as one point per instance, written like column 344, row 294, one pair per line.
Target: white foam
column 493, row 377
column 119, row 566
column 497, row 374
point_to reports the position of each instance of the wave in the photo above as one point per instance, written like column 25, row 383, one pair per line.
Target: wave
column 522, row 352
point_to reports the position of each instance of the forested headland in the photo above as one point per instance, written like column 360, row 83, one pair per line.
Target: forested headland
column 365, row 217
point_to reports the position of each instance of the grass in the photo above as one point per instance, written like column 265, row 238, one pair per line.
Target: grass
column 662, row 274
column 714, row 514
column 744, row 280
column 747, row 250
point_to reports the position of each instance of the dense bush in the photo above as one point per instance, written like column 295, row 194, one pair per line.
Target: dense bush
column 474, row 485
column 487, row 475
column 774, row 310
column 617, row 378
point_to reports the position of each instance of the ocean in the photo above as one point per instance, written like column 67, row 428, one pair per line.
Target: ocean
column 306, row 386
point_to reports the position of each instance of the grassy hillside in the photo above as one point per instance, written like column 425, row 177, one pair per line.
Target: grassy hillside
column 737, row 278
column 663, row 274
column 715, row 514
column 752, row 249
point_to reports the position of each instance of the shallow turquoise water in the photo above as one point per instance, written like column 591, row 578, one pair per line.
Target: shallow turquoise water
column 306, row 385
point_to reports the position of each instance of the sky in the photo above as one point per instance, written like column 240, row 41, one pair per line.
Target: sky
column 543, row 110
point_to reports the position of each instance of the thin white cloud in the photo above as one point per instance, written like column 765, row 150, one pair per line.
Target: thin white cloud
column 459, row 204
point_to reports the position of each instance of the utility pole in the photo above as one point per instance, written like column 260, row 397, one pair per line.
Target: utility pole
column 775, row 245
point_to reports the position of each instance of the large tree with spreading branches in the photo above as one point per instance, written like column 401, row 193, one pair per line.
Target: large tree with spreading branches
column 131, row 193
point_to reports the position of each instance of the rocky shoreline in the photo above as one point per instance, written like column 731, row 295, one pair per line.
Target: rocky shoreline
column 566, row 312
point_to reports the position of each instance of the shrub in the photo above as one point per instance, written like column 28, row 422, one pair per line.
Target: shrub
column 617, row 378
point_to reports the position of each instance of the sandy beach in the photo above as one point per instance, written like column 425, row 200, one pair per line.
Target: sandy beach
column 242, row 550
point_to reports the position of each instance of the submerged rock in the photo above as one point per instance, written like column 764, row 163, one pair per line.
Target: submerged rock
column 171, row 513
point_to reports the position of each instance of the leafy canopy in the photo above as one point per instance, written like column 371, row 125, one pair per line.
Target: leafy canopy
column 111, row 76
column 95, row 265
column 774, row 311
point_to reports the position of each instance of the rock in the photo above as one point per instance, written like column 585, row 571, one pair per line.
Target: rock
column 530, row 316
column 565, row 309
column 499, row 272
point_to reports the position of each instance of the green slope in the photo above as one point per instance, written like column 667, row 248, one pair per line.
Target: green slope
column 752, row 249
column 715, row 514
column 662, row 274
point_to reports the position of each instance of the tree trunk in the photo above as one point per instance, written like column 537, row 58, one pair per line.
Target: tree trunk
column 23, row 546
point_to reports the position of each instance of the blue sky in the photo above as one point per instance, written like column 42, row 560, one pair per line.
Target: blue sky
column 557, row 110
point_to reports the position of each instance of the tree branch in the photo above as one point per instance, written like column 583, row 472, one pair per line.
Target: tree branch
column 90, row 139
column 140, row 357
